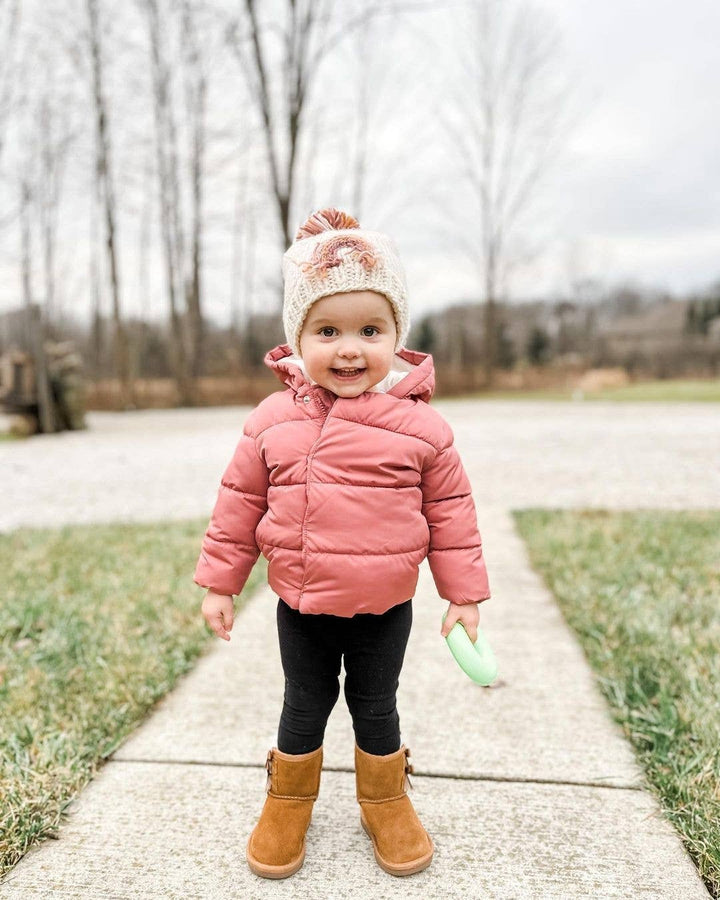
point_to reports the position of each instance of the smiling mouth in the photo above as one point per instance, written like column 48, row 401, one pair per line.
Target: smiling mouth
column 347, row 373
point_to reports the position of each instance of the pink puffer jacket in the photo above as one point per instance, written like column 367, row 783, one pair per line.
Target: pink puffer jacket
column 345, row 498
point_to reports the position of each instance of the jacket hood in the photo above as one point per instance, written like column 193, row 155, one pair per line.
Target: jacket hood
column 418, row 383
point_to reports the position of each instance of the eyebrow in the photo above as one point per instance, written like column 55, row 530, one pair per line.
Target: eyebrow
column 380, row 319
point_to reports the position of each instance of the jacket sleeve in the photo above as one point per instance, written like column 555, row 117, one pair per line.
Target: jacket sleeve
column 229, row 550
column 455, row 554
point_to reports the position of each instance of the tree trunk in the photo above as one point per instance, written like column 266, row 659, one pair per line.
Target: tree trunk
column 47, row 416
column 122, row 354
column 196, row 100
column 489, row 341
column 169, row 196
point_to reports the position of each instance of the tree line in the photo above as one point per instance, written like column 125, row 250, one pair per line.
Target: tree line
column 647, row 332
column 163, row 141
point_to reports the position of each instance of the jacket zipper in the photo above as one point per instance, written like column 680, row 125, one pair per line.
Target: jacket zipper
column 311, row 454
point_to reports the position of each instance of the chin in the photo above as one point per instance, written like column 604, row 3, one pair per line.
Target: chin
column 351, row 390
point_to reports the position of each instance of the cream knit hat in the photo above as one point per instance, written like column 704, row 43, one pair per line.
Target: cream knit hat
column 332, row 255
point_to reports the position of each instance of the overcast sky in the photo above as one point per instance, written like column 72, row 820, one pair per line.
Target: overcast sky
column 636, row 198
column 643, row 194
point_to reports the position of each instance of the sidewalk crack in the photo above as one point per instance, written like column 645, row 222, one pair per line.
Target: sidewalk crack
column 501, row 779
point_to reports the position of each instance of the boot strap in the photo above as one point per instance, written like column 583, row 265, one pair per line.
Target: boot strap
column 268, row 767
column 268, row 785
column 409, row 770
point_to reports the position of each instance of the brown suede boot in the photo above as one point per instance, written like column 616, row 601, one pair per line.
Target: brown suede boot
column 402, row 846
column 276, row 847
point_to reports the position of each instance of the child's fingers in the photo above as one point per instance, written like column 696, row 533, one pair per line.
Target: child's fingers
column 227, row 617
column 218, row 626
column 467, row 615
column 450, row 620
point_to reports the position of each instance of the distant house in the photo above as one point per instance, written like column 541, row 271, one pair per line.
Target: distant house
column 458, row 331
column 656, row 340
column 658, row 329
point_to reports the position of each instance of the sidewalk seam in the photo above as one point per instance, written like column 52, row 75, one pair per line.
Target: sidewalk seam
column 491, row 778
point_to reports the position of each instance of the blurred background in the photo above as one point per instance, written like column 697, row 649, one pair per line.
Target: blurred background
column 547, row 169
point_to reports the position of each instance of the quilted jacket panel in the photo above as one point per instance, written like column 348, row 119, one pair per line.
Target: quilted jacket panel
column 345, row 497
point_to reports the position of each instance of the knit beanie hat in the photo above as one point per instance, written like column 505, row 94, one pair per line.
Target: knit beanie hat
column 332, row 254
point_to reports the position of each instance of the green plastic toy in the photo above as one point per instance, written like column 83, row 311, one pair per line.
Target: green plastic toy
column 476, row 660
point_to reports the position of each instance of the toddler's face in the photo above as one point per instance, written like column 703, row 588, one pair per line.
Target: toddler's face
column 348, row 341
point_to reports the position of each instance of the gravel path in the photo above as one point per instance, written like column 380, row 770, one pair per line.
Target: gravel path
column 159, row 464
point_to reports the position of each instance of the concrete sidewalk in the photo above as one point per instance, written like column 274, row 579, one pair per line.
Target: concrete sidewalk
column 528, row 788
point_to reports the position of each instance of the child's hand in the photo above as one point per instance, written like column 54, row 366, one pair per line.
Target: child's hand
column 467, row 614
column 218, row 611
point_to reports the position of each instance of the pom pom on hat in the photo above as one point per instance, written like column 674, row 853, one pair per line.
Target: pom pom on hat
column 326, row 220
column 331, row 255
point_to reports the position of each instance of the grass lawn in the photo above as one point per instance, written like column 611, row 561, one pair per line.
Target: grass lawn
column 97, row 623
column 641, row 589
column 670, row 390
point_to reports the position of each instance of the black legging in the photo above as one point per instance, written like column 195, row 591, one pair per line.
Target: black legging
column 311, row 648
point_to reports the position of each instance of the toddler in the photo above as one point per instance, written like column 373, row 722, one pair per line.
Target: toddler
column 345, row 481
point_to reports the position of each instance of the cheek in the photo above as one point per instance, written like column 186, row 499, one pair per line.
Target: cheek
column 386, row 351
column 307, row 345
column 314, row 352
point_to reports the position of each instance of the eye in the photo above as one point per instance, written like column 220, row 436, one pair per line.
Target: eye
column 326, row 328
column 371, row 328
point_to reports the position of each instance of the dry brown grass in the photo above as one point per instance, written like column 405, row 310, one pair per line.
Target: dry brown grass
column 599, row 379
column 162, row 393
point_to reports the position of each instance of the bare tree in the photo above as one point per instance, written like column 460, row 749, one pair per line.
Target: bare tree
column 9, row 23
column 298, row 30
column 182, row 48
column 104, row 174
column 243, row 249
column 364, row 46
column 56, row 138
column 44, row 141
column 145, row 232
column 96, row 279
column 169, row 194
column 35, row 324
column 9, row 66
column 507, row 122
column 309, row 31
column 196, row 88
column 242, row 287
column 392, row 93
column 122, row 97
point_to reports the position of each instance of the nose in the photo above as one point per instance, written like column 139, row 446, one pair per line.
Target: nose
column 348, row 350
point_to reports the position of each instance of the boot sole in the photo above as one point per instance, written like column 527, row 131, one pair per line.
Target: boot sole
column 399, row 869
column 265, row 871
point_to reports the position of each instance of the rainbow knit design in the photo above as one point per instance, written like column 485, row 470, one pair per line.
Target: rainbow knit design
column 338, row 261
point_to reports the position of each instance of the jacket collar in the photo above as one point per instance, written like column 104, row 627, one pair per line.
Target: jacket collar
column 419, row 381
